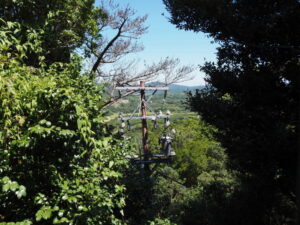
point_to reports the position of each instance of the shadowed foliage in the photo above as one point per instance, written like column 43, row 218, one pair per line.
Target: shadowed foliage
column 252, row 97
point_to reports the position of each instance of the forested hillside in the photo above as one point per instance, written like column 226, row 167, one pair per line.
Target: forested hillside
column 66, row 158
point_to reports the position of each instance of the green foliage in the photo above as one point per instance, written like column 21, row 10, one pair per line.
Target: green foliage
column 158, row 221
column 12, row 48
column 13, row 186
column 192, row 141
column 198, row 185
column 252, row 98
column 63, row 25
column 25, row 222
column 167, row 189
column 59, row 163
column 212, row 194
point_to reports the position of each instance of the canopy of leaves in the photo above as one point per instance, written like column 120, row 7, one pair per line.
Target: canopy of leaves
column 252, row 96
column 63, row 25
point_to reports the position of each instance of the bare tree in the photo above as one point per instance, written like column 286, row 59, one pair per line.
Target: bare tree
column 120, row 32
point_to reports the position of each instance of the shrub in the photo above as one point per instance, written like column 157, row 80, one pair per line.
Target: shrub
column 59, row 164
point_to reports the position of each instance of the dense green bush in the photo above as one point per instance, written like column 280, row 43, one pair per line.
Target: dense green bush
column 59, row 163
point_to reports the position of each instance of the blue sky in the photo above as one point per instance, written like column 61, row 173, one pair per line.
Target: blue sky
column 164, row 39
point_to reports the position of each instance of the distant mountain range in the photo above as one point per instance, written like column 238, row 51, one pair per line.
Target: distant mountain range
column 176, row 87
column 181, row 88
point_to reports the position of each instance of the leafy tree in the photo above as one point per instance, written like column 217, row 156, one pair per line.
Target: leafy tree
column 59, row 164
column 212, row 195
column 63, row 25
column 191, row 143
column 252, row 97
column 202, row 166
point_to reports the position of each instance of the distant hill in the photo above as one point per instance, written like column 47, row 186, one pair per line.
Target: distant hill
column 176, row 87
column 182, row 88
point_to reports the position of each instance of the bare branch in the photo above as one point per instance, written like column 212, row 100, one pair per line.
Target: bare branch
column 116, row 99
column 107, row 47
column 120, row 32
column 127, row 27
